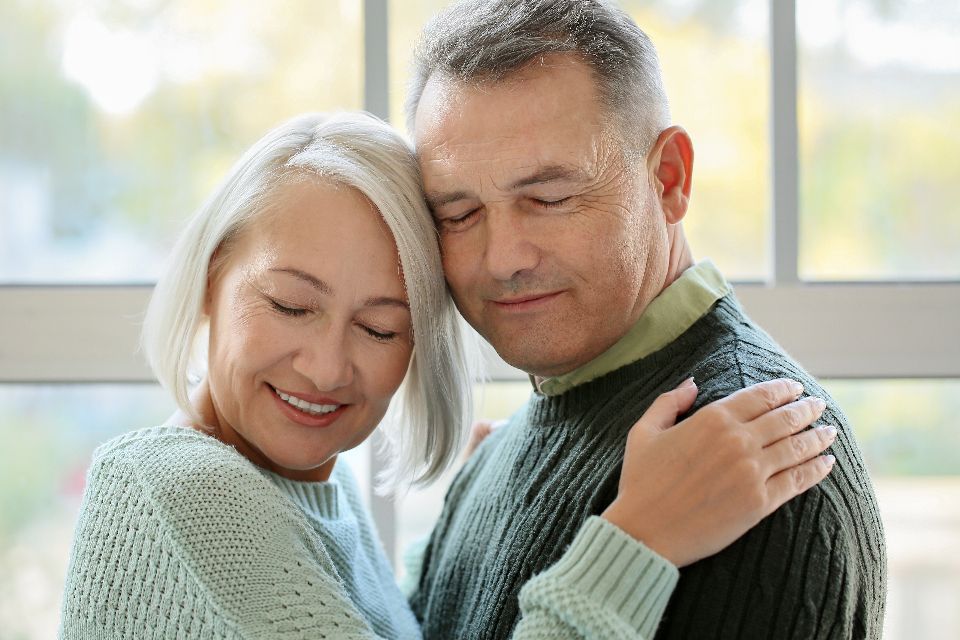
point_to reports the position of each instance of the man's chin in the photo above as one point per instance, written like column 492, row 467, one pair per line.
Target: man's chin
column 543, row 362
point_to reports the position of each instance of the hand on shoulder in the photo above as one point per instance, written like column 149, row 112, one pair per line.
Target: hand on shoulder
column 687, row 491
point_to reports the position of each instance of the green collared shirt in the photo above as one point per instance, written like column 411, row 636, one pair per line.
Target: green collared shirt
column 670, row 314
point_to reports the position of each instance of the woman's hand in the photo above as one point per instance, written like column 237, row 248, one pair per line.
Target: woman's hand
column 687, row 491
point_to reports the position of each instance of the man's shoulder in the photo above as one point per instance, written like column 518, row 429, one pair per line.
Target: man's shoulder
column 734, row 353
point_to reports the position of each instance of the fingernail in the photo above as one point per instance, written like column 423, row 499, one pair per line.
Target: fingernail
column 829, row 460
column 796, row 387
column 828, row 430
column 819, row 404
column 687, row 383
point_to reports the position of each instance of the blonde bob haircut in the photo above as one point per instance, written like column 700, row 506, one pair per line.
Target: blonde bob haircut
column 425, row 424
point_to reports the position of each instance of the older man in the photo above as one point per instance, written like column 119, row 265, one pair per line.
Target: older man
column 559, row 185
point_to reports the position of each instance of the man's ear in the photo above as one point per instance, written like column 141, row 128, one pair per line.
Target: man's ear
column 670, row 165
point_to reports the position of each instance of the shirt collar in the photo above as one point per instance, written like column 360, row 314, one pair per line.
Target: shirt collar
column 665, row 319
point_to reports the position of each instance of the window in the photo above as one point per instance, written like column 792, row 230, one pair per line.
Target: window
column 879, row 140
column 823, row 184
column 118, row 119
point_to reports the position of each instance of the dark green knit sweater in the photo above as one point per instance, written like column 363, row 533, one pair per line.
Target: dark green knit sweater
column 816, row 568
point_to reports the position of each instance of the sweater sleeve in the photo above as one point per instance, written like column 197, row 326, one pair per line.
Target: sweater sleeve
column 200, row 551
column 606, row 585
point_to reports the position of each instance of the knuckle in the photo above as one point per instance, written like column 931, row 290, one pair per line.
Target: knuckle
column 737, row 443
column 716, row 415
column 749, row 470
column 799, row 446
column 792, row 417
column 797, row 479
column 769, row 396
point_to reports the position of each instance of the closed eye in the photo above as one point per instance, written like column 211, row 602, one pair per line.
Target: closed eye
column 285, row 310
column 382, row 336
column 458, row 221
column 552, row 203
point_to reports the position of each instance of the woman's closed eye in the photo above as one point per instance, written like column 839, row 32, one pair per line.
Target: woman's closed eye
column 378, row 334
column 286, row 309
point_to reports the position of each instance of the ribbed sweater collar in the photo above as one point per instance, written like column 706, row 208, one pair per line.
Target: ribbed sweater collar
column 547, row 410
column 319, row 499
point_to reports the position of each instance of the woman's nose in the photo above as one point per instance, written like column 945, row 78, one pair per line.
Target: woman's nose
column 325, row 360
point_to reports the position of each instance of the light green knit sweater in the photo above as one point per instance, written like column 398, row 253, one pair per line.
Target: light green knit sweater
column 180, row 536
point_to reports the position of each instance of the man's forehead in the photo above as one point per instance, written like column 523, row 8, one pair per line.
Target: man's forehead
column 446, row 99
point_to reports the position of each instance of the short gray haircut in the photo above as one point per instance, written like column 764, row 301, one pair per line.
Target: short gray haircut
column 426, row 421
column 475, row 41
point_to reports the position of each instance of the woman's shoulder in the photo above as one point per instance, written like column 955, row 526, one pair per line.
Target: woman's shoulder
column 165, row 441
column 180, row 469
column 170, row 450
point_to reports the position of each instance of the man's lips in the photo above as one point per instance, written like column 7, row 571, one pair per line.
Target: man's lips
column 525, row 302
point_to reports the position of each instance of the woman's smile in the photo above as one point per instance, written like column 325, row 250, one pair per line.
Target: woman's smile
column 305, row 413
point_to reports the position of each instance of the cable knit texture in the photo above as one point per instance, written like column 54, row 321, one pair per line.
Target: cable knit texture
column 815, row 568
column 180, row 536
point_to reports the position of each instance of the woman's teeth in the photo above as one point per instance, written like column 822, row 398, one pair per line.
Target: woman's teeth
column 307, row 407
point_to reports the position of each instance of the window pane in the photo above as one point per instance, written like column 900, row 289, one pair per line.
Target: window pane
column 879, row 139
column 118, row 118
column 713, row 54
column 909, row 439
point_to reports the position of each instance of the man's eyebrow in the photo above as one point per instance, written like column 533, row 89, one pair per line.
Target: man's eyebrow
column 438, row 199
column 549, row 173
column 325, row 289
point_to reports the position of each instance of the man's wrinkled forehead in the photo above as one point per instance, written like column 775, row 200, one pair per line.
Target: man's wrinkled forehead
column 445, row 97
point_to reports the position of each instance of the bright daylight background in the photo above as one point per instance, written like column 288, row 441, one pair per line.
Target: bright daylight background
column 118, row 116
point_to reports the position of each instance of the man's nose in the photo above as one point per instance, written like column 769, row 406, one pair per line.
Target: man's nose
column 326, row 357
column 509, row 250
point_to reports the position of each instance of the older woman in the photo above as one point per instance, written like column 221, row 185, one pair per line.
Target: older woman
column 315, row 269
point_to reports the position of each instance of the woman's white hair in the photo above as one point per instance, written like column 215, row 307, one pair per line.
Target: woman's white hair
column 425, row 425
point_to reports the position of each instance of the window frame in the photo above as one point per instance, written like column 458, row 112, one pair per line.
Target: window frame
column 90, row 333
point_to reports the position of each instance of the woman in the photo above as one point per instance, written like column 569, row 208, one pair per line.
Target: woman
column 315, row 268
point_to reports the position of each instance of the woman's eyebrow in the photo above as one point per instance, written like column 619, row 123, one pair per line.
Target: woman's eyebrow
column 386, row 301
column 327, row 290
column 314, row 281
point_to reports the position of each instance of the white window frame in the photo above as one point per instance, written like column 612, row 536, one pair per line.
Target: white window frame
column 89, row 334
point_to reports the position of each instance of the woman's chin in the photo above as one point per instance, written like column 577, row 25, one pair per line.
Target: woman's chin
column 295, row 465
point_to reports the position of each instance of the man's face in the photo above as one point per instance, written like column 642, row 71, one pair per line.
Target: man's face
column 552, row 245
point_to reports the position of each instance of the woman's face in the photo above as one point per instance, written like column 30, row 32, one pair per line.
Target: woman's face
column 310, row 331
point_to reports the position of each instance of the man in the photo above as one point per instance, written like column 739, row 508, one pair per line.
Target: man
column 558, row 186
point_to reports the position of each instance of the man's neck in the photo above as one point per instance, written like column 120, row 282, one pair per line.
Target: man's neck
column 680, row 258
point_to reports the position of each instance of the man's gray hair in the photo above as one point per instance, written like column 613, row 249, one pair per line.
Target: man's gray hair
column 433, row 406
column 475, row 41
